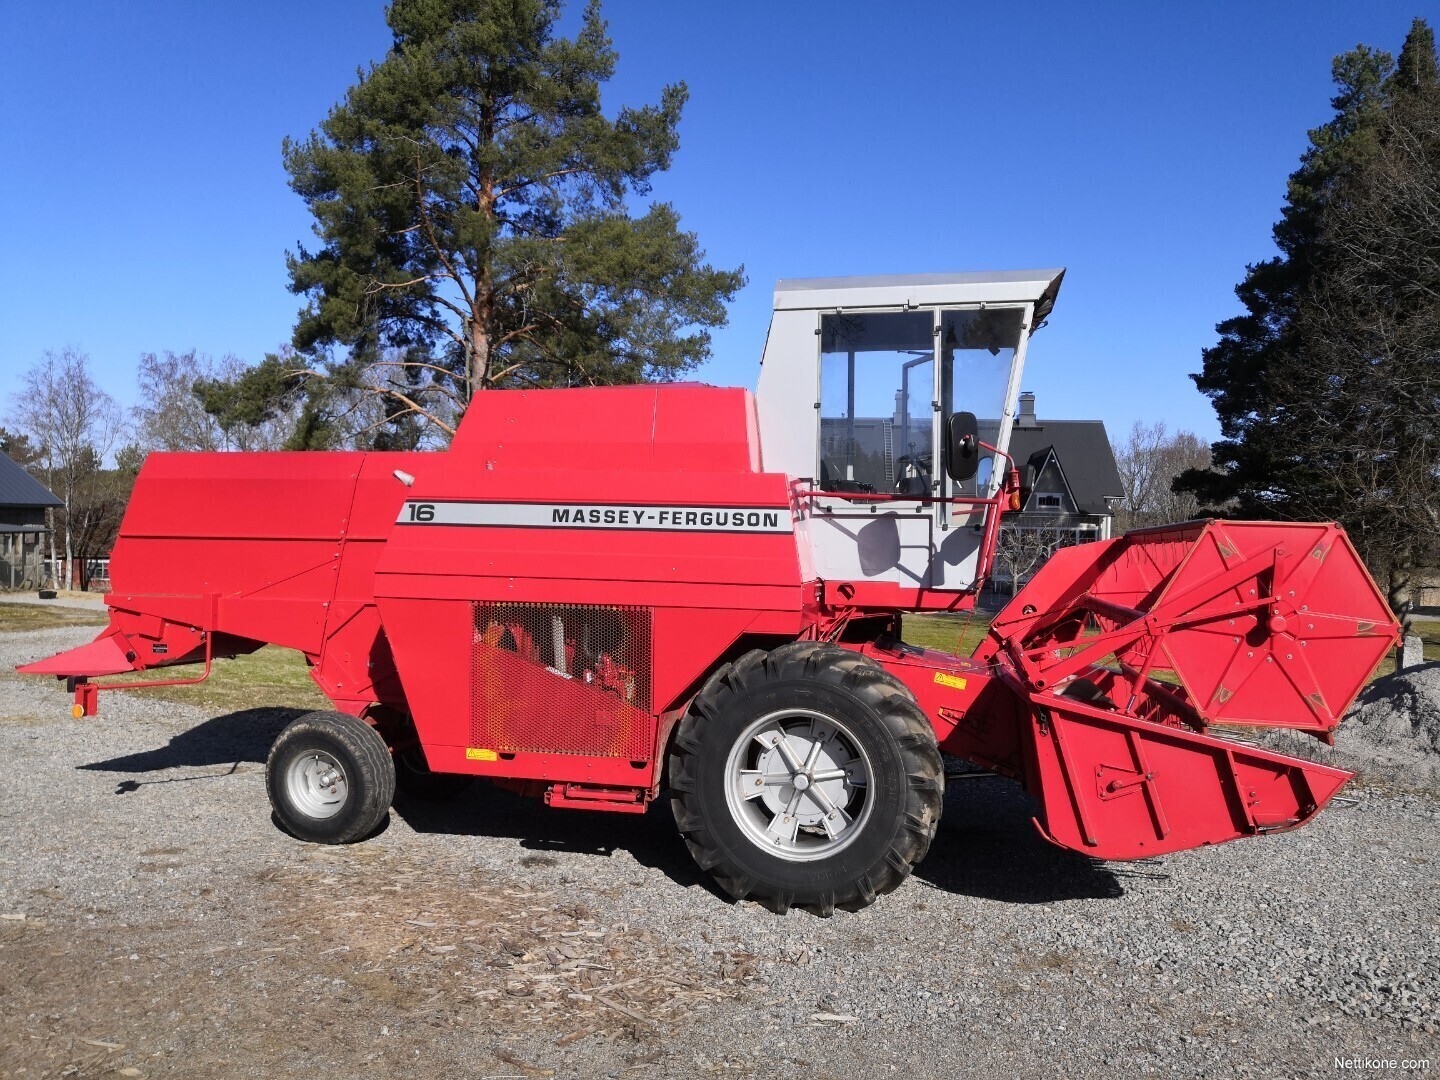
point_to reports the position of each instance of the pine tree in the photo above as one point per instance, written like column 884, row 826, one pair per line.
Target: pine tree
column 472, row 203
column 1328, row 388
column 1235, row 370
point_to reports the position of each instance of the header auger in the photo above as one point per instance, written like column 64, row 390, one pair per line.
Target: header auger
column 599, row 595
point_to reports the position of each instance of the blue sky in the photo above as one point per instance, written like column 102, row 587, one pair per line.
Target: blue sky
column 1144, row 146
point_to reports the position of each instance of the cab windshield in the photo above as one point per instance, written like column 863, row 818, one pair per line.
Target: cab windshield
column 881, row 396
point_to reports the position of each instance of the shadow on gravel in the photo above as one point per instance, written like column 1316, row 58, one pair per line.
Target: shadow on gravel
column 483, row 810
column 222, row 740
column 987, row 847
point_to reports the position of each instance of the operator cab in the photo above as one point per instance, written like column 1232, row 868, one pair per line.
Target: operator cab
column 864, row 391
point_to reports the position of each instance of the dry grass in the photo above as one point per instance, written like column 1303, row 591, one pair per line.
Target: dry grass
column 270, row 676
column 1429, row 631
column 337, row 948
column 15, row 618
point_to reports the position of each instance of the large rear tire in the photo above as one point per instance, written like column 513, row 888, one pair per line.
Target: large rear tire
column 806, row 777
column 330, row 778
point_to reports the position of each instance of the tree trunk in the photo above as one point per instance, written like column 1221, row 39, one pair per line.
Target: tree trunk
column 1401, row 597
column 69, row 549
column 479, row 357
column 50, row 521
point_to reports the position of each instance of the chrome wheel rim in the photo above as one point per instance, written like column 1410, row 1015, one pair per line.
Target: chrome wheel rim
column 798, row 784
column 317, row 784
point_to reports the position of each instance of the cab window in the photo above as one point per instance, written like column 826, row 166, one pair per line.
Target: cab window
column 977, row 351
column 877, row 388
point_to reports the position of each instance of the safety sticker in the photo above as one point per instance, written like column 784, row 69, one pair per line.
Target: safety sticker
column 944, row 678
column 474, row 753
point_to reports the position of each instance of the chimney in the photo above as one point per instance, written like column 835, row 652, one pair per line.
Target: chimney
column 1027, row 411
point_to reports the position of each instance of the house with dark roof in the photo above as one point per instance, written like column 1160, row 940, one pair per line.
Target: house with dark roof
column 1069, row 488
column 23, row 502
column 1068, row 477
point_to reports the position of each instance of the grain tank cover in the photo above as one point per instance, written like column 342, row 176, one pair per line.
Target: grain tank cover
column 661, row 427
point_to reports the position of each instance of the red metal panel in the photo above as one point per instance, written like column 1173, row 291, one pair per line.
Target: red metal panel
column 560, row 430
column 671, row 428
column 705, row 587
column 1119, row 788
column 262, row 532
column 106, row 655
column 706, row 429
column 975, row 714
column 264, row 496
column 1110, row 785
column 689, row 640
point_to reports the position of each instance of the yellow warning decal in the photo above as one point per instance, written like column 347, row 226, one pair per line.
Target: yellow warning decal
column 944, row 678
column 474, row 753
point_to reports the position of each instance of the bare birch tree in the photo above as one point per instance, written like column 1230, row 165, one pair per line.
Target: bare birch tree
column 1150, row 460
column 75, row 424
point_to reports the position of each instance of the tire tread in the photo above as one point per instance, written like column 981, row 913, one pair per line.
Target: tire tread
column 371, row 754
column 887, row 698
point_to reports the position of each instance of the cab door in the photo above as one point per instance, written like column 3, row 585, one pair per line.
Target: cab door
column 889, row 380
column 980, row 355
column 879, row 427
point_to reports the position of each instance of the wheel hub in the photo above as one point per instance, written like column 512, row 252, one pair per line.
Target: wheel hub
column 317, row 784
column 828, row 762
column 799, row 784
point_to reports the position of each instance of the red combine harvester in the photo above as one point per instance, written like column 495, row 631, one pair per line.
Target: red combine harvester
column 597, row 595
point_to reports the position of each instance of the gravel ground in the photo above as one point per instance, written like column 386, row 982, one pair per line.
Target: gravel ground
column 1394, row 728
column 157, row 923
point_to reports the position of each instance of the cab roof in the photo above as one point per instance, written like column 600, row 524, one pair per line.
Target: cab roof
column 1039, row 287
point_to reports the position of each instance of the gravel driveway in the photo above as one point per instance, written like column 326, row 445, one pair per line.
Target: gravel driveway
column 156, row 923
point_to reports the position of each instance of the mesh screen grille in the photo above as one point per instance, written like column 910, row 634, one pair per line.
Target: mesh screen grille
column 562, row 679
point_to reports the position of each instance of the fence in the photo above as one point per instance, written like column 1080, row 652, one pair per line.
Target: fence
column 22, row 565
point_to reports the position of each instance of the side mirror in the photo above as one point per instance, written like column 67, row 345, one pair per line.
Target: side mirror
column 962, row 447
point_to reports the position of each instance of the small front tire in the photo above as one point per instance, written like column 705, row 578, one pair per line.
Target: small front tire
column 330, row 778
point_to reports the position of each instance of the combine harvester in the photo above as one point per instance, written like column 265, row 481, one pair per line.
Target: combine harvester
column 599, row 595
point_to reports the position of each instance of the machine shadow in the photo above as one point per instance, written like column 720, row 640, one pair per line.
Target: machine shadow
column 222, row 740
column 484, row 810
column 987, row 847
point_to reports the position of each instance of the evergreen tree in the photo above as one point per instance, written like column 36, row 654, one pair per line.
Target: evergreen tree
column 1328, row 387
column 1235, row 370
column 16, row 445
column 471, row 202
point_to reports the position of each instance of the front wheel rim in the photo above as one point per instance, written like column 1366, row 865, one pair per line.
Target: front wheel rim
column 317, row 784
column 799, row 784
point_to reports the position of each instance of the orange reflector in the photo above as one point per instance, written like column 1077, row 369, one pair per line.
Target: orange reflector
column 77, row 711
